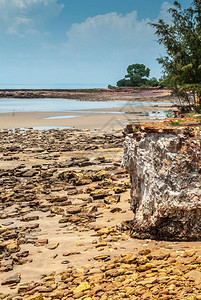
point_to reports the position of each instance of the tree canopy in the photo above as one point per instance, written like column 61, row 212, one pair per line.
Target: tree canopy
column 137, row 75
column 182, row 41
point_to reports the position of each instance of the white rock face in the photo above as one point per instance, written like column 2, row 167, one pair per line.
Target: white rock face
column 165, row 184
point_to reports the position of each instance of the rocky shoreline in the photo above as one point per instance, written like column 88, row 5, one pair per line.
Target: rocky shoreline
column 130, row 94
column 64, row 232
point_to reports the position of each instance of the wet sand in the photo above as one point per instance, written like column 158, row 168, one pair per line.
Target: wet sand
column 102, row 119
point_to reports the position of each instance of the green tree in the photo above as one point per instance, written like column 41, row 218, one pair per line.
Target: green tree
column 182, row 41
column 153, row 81
column 137, row 70
column 137, row 75
column 123, row 82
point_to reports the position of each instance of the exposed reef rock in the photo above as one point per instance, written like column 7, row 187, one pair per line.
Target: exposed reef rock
column 164, row 163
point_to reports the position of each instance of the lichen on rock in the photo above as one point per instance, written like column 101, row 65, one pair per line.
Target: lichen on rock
column 164, row 163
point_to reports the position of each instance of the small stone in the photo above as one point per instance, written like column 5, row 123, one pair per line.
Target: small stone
column 158, row 255
column 144, row 252
column 36, row 296
column 112, row 199
column 151, row 280
column 57, row 210
column 12, row 247
column 32, row 218
column 8, row 223
column 82, row 287
column 41, row 242
column 106, row 230
column 119, row 190
column 3, row 229
column 73, row 210
column 57, row 294
column 99, row 194
column 115, row 272
column 12, row 280
column 71, row 253
column 52, row 246
column 65, row 262
column 144, row 267
column 64, row 220
column 194, row 275
column 104, row 257
column 116, row 209
column 80, row 244
column 100, row 175
column 22, row 254
column 92, row 210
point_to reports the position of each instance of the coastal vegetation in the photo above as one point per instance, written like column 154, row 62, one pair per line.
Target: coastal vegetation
column 137, row 76
column 182, row 41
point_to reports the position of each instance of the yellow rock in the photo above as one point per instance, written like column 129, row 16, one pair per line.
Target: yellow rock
column 150, row 280
column 82, row 287
column 194, row 266
column 57, row 295
column 142, row 260
column 53, row 246
column 158, row 255
column 12, row 247
column 96, row 278
column 127, row 183
column 130, row 291
column 56, row 210
column 145, row 267
column 194, row 275
column 129, row 259
column 80, row 244
column 188, row 253
column 115, row 272
column 104, row 231
column 48, row 278
column 164, row 279
column 149, row 275
column 3, row 229
column 36, row 296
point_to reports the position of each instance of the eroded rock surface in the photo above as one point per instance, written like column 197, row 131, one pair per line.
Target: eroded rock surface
column 164, row 162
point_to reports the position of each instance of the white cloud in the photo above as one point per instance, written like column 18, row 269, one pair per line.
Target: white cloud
column 111, row 30
column 164, row 14
column 24, row 16
column 113, row 41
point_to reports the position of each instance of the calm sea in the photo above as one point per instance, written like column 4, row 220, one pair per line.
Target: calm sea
column 53, row 86
column 60, row 105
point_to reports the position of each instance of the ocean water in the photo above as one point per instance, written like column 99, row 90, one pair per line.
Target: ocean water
column 62, row 86
column 8, row 105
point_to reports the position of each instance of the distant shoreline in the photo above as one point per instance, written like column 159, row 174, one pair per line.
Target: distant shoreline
column 116, row 94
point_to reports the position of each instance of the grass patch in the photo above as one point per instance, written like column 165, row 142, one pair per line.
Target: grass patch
column 176, row 123
column 198, row 118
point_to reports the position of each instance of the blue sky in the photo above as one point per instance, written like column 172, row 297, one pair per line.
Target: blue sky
column 81, row 42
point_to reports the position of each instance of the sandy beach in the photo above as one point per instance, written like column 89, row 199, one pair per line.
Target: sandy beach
column 65, row 207
column 102, row 119
column 152, row 103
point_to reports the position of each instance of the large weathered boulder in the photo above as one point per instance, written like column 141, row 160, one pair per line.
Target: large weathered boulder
column 164, row 163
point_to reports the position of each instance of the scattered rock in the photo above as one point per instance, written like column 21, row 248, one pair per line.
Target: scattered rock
column 12, row 279
column 52, row 246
